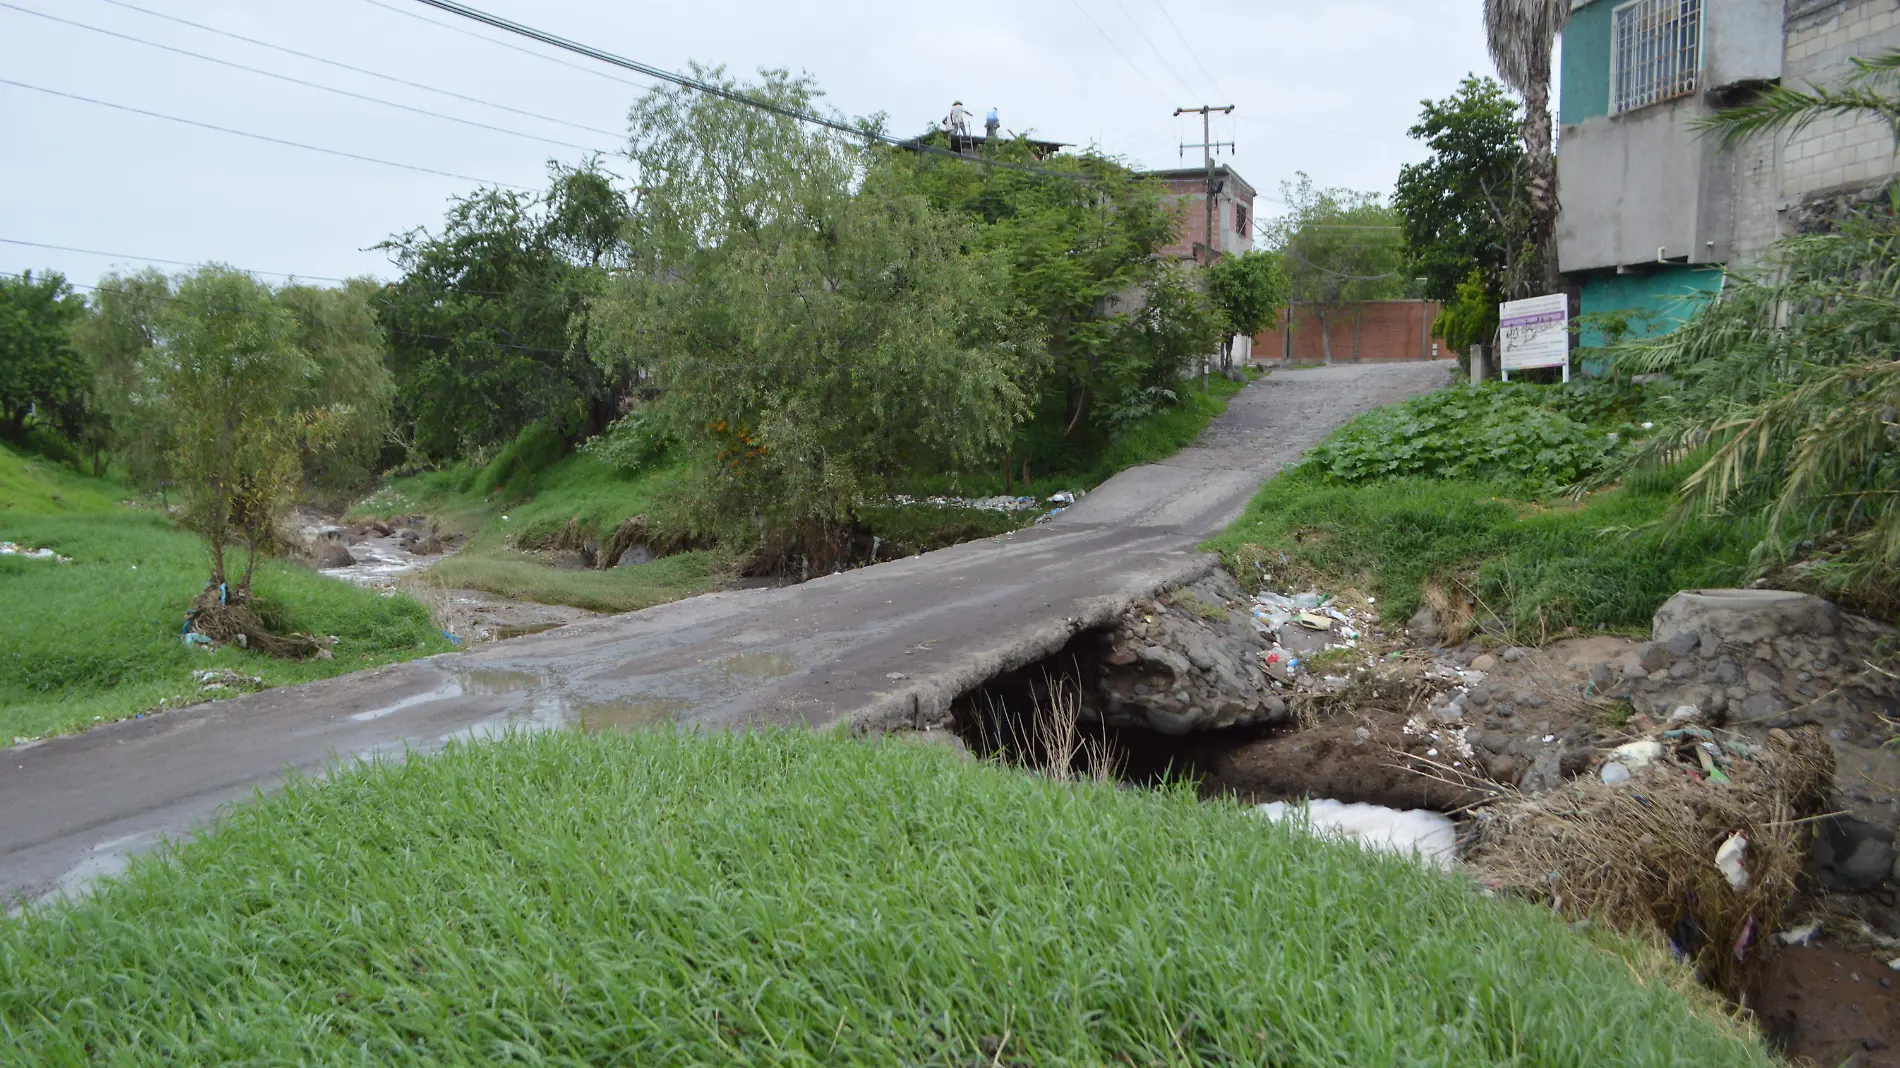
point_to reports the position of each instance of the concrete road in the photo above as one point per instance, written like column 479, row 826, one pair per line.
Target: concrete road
column 883, row 647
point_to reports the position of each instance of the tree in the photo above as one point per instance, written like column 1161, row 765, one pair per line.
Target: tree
column 1248, row 290
column 482, row 324
column 1464, row 209
column 42, row 377
column 1522, row 35
column 119, row 330
column 345, row 404
column 224, row 374
column 1084, row 267
column 1337, row 247
column 815, row 330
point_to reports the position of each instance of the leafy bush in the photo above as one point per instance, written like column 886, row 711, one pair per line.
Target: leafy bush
column 1532, row 438
column 1790, row 404
column 534, row 450
column 629, row 442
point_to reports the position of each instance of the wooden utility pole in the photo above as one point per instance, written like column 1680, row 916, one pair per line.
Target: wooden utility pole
column 1208, row 147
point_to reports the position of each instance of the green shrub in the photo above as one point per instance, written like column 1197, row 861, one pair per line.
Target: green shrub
column 802, row 898
column 1533, row 438
column 511, row 473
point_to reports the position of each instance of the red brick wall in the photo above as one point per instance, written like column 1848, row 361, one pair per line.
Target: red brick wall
column 1387, row 330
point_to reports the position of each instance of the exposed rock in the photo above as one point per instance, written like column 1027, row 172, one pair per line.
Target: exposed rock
column 1485, row 663
column 1851, row 855
column 1424, row 625
column 1743, row 617
column 331, row 554
column 1175, row 664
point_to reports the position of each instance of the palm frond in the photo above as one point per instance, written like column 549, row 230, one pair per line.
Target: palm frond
column 1786, row 108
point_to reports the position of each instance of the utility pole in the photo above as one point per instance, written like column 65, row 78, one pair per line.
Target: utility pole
column 1208, row 147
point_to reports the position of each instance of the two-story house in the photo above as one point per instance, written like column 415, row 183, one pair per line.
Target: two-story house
column 1653, row 208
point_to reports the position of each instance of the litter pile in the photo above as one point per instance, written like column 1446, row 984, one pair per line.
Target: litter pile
column 1698, row 834
column 222, row 616
column 8, row 548
column 1000, row 503
column 1300, row 625
column 220, row 682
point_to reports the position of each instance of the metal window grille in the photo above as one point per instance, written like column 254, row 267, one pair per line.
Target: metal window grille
column 1656, row 52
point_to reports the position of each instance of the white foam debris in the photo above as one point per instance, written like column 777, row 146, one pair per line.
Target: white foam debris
column 1431, row 837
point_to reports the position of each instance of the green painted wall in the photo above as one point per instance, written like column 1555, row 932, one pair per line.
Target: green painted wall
column 1584, row 80
column 1655, row 302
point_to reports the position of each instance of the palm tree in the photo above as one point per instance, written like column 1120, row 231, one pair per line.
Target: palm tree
column 1522, row 35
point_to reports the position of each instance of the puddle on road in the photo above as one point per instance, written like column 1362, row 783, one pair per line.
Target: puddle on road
column 475, row 682
column 759, row 665
column 491, row 681
column 627, row 713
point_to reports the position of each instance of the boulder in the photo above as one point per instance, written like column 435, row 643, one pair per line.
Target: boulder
column 331, row 554
column 1742, row 617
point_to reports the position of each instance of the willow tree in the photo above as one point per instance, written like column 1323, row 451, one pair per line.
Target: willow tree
column 814, row 331
column 1522, row 34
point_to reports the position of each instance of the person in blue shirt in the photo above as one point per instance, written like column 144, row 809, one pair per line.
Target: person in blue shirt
column 990, row 125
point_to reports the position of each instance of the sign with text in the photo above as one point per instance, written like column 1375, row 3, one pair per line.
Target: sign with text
column 1534, row 333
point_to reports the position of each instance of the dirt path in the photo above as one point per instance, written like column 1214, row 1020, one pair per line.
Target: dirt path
column 883, row 647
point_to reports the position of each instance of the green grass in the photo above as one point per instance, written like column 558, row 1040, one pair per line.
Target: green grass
column 1603, row 564
column 98, row 639
column 802, row 898
column 1057, row 465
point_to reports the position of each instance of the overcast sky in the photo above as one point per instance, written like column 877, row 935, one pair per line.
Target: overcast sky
column 1324, row 86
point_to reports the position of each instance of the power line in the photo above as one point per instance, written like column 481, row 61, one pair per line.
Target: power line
column 1192, row 54
column 1143, row 34
column 297, row 81
column 156, row 259
column 695, row 84
column 262, row 137
column 510, row 45
column 1111, row 43
column 361, row 70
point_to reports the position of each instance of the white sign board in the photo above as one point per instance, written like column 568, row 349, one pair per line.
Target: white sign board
column 1534, row 333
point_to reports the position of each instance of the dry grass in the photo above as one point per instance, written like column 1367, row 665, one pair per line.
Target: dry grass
column 1049, row 740
column 1639, row 857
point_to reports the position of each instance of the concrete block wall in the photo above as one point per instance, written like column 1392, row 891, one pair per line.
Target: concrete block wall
column 1835, row 152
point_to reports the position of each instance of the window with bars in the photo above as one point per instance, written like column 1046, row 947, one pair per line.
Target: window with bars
column 1656, row 52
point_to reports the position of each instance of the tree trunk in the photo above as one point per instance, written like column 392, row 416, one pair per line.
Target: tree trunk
column 1540, row 156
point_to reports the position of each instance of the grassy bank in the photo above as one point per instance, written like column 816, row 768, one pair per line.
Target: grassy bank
column 801, row 898
column 533, row 495
column 1460, row 490
column 98, row 638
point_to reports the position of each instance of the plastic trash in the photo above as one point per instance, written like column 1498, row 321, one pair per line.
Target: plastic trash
column 1063, row 497
column 1637, row 754
column 1308, row 600
column 1315, row 621
column 1729, row 860
column 1614, row 774
column 194, row 638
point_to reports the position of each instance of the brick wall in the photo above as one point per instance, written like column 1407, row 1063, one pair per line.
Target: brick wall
column 1385, row 330
column 1836, row 151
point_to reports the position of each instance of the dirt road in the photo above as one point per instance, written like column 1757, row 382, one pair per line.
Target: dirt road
column 886, row 646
